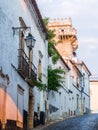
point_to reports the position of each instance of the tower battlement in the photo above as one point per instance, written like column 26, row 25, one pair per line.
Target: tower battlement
column 65, row 35
column 60, row 21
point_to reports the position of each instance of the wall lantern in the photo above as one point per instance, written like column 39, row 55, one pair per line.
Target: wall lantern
column 30, row 41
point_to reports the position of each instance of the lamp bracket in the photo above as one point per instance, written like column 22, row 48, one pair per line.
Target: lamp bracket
column 17, row 30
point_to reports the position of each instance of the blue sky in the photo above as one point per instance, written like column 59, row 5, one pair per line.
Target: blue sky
column 84, row 14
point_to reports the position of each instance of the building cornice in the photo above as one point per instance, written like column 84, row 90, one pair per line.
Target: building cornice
column 74, row 64
column 93, row 80
column 83, row 64
column 33, row 7
column 39, row 15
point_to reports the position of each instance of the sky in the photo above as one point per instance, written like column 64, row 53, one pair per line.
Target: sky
column 84, row 14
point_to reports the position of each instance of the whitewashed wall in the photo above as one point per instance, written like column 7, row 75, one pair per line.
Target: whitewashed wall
column 86, row 87
column 60, row 99
column 10, row 12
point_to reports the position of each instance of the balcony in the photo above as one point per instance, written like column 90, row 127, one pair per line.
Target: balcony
column 26, row 68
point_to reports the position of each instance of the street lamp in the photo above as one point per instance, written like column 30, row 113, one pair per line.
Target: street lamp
column 30, row 41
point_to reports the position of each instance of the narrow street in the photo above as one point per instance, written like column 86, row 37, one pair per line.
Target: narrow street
column 48, row 64
column 86, row 122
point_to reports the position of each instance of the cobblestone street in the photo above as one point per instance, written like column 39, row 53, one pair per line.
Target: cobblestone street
column 86, row 122
column 48, row 65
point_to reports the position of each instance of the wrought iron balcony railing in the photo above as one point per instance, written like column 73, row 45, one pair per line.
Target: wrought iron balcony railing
column 26, row 68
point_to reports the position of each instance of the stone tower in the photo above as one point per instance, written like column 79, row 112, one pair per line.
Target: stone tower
column 65, row 37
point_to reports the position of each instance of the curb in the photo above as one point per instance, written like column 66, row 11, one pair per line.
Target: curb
column 41, row 127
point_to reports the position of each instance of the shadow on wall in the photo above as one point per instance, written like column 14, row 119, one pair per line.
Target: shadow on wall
column 52, row 108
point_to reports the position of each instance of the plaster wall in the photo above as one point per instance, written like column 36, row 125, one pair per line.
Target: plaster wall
column 94, row 96
column 10, row 12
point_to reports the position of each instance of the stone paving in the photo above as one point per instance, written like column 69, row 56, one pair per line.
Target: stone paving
column 86, row 122
column 41, row 127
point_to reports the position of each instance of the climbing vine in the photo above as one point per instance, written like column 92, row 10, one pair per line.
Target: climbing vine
column 51, row 42
column 54, row 77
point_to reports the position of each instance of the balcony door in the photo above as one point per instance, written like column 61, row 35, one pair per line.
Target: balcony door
column 30, row 113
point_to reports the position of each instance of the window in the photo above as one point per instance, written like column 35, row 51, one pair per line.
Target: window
column 62, row 30
column 26, row 67
column 77, row 82
column 40, row 70
column 83, row 79
column 77, row 101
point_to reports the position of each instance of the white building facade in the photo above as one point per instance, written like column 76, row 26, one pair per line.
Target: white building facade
column 94, row 94
column 21, row 64
column 85, row 87
column 59, row 101
column 78, row 96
